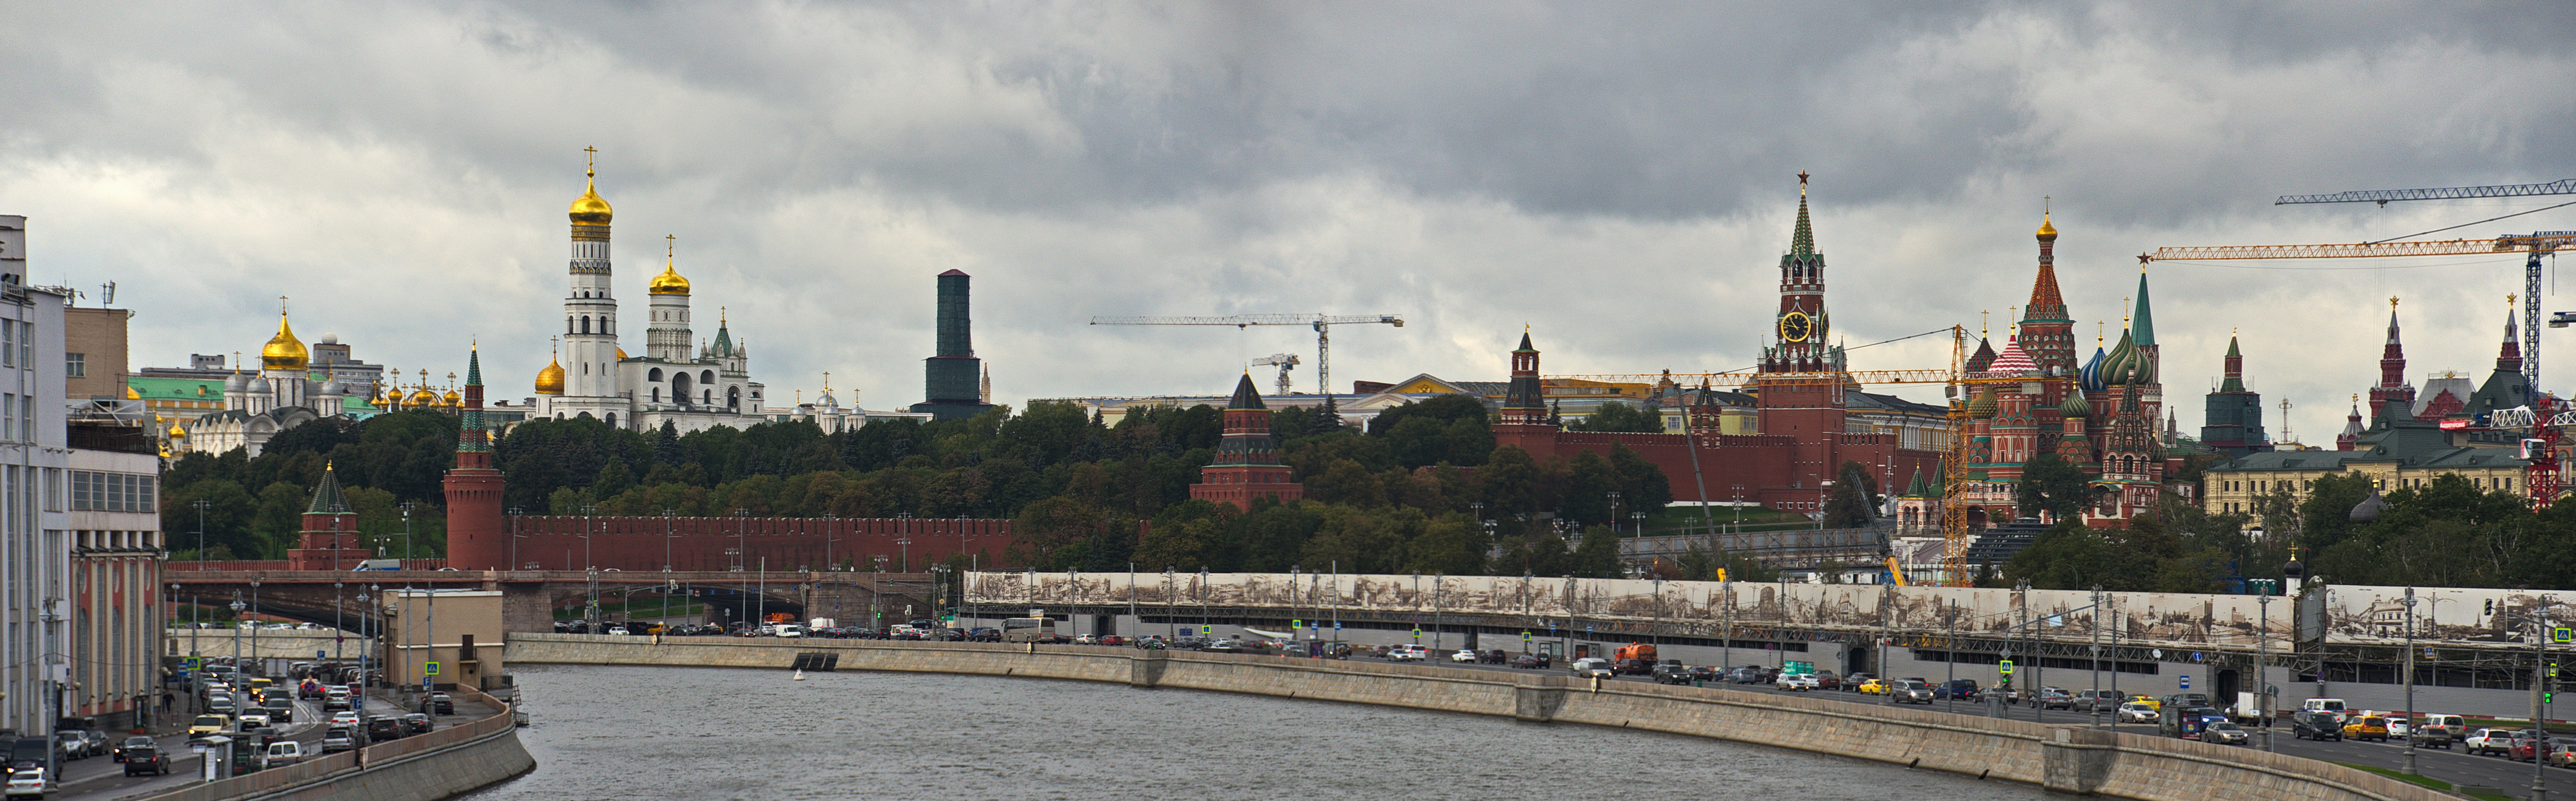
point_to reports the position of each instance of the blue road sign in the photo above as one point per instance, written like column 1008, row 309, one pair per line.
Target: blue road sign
column 2186, row 681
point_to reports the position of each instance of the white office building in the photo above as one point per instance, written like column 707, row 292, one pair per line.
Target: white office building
column 36, row 595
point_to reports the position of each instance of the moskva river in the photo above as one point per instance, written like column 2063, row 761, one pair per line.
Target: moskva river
column 624, row 733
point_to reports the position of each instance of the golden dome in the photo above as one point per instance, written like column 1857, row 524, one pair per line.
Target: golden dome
column 589, row 209
column 178, row 433
column 550, row 381
column 452, row 400
column 621, row 354
column 422, row 397
column 284, row 352
column 2047, row 232
column 668, row 283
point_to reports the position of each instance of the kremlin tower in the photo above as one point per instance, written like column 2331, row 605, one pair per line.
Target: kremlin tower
column 2232, row 416
column 2393, row 399
column 330, row 535
column 475, row 539
column 1247, row 459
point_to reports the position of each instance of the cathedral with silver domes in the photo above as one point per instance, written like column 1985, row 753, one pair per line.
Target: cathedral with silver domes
column 282, row 395
column 692, row 385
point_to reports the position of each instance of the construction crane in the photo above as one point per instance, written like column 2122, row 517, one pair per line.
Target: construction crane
column 2530, row 268
column 2544, row 419
column 2537, row 244
column 1322, row 323
column 1284, row 361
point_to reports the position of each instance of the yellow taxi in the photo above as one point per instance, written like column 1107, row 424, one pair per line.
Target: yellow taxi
column 2366, row 727
column 2150, row 701
column 1874, row 687
column 209, row 724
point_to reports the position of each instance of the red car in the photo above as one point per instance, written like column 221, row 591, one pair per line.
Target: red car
column 2523, row 747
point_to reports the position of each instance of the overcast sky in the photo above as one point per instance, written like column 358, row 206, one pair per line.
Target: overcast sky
column 1619, row 177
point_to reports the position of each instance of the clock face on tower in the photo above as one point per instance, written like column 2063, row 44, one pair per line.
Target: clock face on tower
column 1796, row 327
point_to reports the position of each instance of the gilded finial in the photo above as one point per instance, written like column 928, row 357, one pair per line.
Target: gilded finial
column 592, row 170
column 1981, row 324
column 2392, row 303
column 827, row 381
column 2097, row 332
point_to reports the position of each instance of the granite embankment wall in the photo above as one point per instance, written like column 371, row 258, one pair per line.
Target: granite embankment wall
column 441, row 764
column 2059, row 758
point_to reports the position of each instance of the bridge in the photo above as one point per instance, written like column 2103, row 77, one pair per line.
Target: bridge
column 530, row 597
column 1783, row 548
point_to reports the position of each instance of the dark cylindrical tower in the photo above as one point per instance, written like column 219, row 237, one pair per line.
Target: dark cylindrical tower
column 956, row 330
column 951, row 380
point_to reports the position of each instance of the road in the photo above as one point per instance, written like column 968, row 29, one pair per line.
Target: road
column 102, row 777
column 2453, row 765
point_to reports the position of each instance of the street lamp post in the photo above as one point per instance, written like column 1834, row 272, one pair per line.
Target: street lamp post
column 741, row 537
column 2263, row 589
column 667, row 562
column 904, row 543
column 2409, row 603
column 254, row 627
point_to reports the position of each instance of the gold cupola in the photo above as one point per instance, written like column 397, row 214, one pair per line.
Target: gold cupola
column 590, row 209
column 284, row 351
column 550, row 381
column 2047, row 232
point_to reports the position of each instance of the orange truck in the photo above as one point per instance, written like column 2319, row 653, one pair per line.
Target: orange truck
column 1634, row 651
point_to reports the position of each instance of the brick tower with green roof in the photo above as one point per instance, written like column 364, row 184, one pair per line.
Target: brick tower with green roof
column 330, row 535
column 475, row 540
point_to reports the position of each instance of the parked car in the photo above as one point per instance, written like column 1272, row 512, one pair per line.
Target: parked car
column 2134, row 712
column 2366, row 727
column 2487, row 741
column 1591, row 668
column 146, row 760
column 439, row 704
column 130, row 743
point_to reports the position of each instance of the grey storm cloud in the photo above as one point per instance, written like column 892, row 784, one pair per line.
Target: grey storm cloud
column 1619, row 177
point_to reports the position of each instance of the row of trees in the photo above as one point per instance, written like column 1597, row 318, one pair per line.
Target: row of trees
column 1405, row 494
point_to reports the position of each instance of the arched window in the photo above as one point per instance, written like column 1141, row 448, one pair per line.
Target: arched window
column 657, row 394
column 733, row 397
column 680, row 387
column 655, row 376
column 567, row 323
column 706, row 376
column 585, row 324
column 707, row 396
column 612, row 419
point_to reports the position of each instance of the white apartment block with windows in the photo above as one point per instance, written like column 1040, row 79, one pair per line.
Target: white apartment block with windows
column 117, row 550
column 36, row 590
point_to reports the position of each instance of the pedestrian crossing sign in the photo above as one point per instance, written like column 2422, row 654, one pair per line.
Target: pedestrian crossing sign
column 2007, row 667
column 431, row 670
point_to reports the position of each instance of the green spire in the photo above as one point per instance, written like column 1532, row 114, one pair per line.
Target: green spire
column 474, row 368
column 327, row 499
column 1802, row 242
column 2231, row 347
column 2143, row 325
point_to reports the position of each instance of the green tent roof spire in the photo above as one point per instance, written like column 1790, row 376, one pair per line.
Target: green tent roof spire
column 2143, row 326
column 327, row 499
column 1802, row 240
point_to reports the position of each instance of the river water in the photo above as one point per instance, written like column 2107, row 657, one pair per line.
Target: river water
column 621, row 733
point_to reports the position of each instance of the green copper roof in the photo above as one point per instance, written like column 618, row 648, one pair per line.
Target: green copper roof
column 1802, row 241
column 2143, row 325
column 474, row 368
column 327, row 499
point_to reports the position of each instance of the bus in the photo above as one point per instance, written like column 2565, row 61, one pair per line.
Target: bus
column 1037, row 627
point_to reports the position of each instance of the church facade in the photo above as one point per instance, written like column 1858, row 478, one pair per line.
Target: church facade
column 689, row 384
column 282, row 395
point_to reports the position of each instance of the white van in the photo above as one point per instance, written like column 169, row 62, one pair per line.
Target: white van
column 283, row 754
column 790, row 630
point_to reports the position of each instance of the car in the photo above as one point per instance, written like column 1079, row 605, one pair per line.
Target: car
column 2486, row 741
column 1873, row 686
column 2525, row 747
column 339, row 739
column 385, row 728
column 438, row 703
column 1795, row 682
column 1495, row 656
column 280, row 708
column 1633, row 667
column 1853, row 682
column 2223, row 733
column 209, row 724
column 281, row 754
column 2366, row 727
column 417, row 723
column 2562, row 755
column 1409, row 652
column 29, row 784
column 2055, row 698
column 130, row 743
column 2134, row 712
column 1672, row 674
column 2431, row 737
column 253, row 720
column 1826, row 680
column 1911, row 691
column 1463, row 655
column 2397, row 727
column 335, row 699
column 1962, row 689
column 2100, row 701
column 345, row 717
column 96, row 743
column 620, row 631
column 71, row 745
column 1591, row 668
column 1531, row 661
column 146, row 760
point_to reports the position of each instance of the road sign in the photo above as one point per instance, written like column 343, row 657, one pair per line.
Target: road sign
column 2007, row 667
column 2186, row 681
column 320, row 654
column 1525, row 637
column 2562, row 634
column 431, row 670
column 1298, row 623
column 1205, row 630
column 1337, row 625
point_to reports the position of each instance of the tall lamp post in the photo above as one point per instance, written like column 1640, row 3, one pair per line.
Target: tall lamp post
column 2409, row 603
column 2263, row 589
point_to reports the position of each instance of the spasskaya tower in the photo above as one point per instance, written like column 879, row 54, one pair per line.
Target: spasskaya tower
column 1802, row 323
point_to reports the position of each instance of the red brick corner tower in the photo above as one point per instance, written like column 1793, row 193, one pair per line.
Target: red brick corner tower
column 475, row 540
column 1247, row 463
column 330, row 535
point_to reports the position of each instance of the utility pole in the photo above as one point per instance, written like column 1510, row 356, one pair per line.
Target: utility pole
column 2409, row 603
